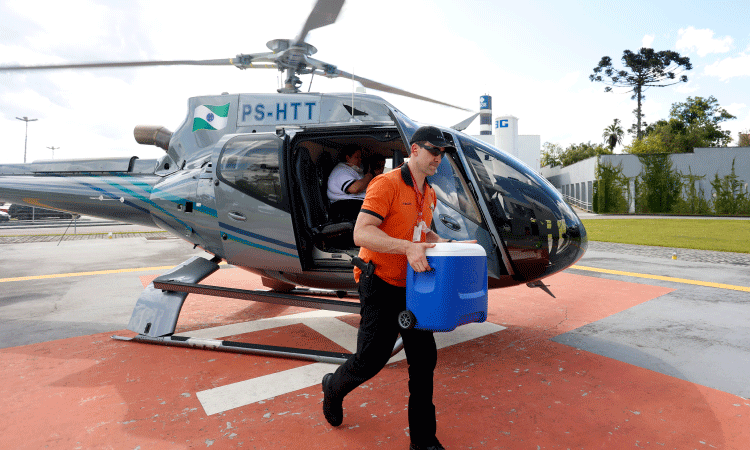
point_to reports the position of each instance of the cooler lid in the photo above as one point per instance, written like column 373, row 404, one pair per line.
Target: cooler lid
column 456, row 249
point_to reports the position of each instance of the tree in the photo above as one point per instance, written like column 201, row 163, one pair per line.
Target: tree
column 609, row 188
column 693, row 200
column 613, row 135
column 669, row 136
column 705, row 114
column 744, row 139
column 694, row 123
column 554, row 155
column 658, row 187
column 650, row 143
column 551, row 154
column 579, row 152
column 645, row 69
column 730, row 194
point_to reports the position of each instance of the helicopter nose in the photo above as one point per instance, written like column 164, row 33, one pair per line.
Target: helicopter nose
column 545, row 242
column 572, row 243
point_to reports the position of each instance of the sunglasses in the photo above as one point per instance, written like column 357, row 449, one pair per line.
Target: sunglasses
column 434, row 151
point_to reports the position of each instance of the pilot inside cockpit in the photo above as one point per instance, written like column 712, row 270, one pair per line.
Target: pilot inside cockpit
column 348, row 183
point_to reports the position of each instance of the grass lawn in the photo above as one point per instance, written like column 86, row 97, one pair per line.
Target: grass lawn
column 701, row 234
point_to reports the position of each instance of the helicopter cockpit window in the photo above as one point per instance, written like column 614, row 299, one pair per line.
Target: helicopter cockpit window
column 510, row 189
column 252, row 166
column 451, row 188
column 345, row 109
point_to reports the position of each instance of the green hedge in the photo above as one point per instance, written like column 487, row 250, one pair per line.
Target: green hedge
column 660, row 189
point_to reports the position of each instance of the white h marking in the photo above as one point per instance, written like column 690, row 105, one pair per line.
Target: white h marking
column 243, row 393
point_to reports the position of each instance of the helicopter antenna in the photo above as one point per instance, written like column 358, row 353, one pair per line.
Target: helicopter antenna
column 309, row 86
column 352, row 111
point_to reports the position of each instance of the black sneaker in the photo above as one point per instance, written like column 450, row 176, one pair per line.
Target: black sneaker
column 332, row 408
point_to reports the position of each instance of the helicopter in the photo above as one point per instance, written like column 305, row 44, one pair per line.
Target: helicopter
column 244, row 178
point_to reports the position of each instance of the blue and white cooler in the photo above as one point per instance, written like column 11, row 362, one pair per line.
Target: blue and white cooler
column 453, row 293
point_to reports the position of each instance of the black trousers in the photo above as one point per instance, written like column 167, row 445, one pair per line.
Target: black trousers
column 378, row 331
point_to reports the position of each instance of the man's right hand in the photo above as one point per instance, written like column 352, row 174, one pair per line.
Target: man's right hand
column 416, row 256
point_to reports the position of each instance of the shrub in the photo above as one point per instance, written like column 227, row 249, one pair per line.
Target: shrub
column 609, row 189
column 658, row 187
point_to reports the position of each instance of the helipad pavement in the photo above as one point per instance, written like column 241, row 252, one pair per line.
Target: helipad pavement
column 616, row 360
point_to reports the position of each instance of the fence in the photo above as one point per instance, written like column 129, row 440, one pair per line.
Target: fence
column 586, row 206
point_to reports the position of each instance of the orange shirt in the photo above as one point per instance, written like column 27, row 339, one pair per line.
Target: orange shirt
column 392, row 198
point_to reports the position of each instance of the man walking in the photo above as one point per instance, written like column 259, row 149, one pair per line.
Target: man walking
column 393, row 230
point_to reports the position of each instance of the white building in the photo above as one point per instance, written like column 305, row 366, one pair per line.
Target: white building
column 526, row 148
column 576, row 181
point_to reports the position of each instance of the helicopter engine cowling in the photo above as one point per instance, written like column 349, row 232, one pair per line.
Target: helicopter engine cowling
column 153, row 135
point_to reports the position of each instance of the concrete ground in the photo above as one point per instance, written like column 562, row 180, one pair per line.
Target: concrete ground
column 637, row 350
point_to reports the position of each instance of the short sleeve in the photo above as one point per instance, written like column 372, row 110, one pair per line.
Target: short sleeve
column 379, row 198
column 337, row 179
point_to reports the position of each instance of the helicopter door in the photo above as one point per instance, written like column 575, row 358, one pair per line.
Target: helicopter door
column 252, row 204
column 457, row 214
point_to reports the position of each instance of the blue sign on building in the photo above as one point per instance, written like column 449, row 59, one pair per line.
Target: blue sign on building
column 485, row 102
column 501, row 123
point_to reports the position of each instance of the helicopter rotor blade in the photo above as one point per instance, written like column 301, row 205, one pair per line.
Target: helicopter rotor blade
column 370, row 84
column 323, row 13
column 461, row 126
column 292, row 56
column 239, row 62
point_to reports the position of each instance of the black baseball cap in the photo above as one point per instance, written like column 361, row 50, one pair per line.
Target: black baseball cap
column 431, row 135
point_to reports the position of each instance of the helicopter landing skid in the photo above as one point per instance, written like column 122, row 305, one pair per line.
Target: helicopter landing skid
column 253, row 349
column 241, row 347
column 155, row 314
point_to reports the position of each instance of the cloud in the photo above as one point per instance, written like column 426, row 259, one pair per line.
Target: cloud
column 702, row 41
column 648, row 41
column 738, row 66
column 735, row 108
column 686, row 88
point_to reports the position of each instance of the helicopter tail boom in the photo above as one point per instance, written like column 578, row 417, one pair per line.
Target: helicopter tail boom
column 115, row 189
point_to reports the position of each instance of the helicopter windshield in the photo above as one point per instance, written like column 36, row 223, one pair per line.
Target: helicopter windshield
column 542, row 234
column 520, row 189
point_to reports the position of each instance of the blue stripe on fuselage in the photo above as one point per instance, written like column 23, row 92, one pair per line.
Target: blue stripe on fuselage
column 257, row 236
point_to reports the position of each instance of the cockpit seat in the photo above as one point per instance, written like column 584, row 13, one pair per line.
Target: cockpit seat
column 324, row 232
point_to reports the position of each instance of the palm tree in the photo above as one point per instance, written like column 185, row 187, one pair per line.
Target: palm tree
column 613, row 134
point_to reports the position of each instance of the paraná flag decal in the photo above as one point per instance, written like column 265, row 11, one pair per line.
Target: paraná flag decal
column 210, row 117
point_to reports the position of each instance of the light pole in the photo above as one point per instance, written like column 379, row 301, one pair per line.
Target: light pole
column 26, row 139
column 53, row 148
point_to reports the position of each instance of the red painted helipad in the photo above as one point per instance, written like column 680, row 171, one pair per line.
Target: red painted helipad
column 508, row 387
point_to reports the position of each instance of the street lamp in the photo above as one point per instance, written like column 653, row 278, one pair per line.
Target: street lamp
column 26, row 139
column 53, row 148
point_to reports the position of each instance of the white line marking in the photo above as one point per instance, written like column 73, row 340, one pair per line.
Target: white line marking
column 235, row 395
column 243, row 393
column 260, row 324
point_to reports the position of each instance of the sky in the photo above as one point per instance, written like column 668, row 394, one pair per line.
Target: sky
column 533, row 57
